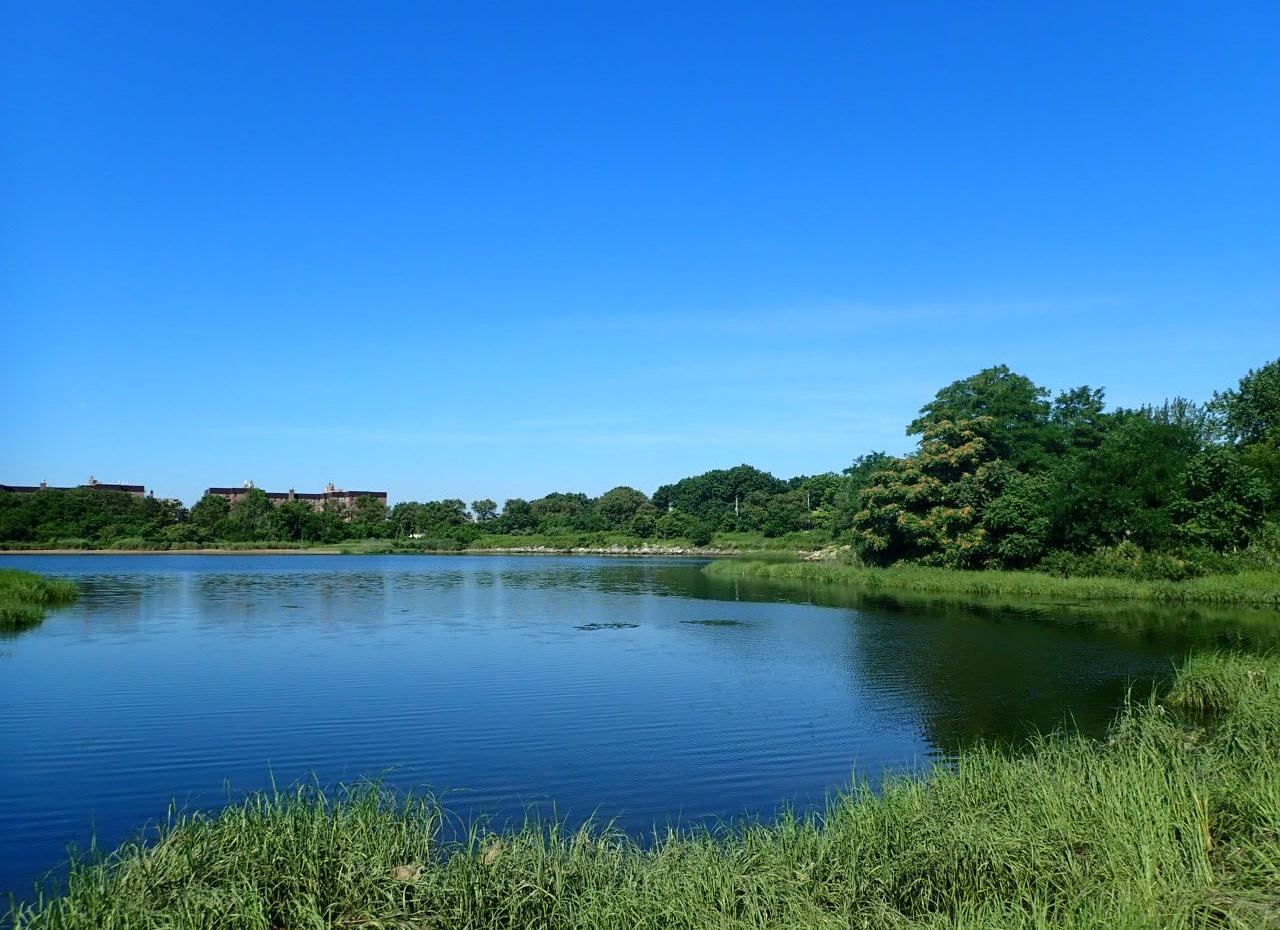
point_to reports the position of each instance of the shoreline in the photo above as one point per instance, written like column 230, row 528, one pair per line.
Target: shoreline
column 691, row 551
column 1044, row 836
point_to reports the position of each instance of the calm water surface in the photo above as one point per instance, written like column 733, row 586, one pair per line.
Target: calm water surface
column 637, row 689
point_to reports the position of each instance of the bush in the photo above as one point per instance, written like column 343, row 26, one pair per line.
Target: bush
column 1128, row 561
column 136, row 543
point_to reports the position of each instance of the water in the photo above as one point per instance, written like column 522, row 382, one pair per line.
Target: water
column 635, row 689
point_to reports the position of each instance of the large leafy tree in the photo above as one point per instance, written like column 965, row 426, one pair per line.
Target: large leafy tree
column 209, row 513
column 619, row 506
column 517, row 516
column 928, row 506
column 1079, row 418
column 786, row 512
column 296, row 520
column 1220, row 501
column 1017, row 408
column 484, row 509
column 645, row 521
column 250, row 517
column 1251, row 411
column 369, row 510
column 1018, row 521
column 369, row 518
column 856, row 477
column 1264, row 458
column 561, row 511
column 1122, row 490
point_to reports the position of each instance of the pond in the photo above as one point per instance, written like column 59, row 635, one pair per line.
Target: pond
column 636, row 690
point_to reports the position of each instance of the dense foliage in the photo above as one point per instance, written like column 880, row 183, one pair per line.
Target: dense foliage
column 1003, row 478
column 1005, row 475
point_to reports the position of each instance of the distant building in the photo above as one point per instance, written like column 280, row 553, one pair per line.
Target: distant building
column 330, row 494
column 136, row 490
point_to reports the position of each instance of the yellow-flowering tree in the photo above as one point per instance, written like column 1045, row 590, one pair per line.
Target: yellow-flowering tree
column 928, row 506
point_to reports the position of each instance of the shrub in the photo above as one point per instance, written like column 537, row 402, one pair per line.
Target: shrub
column 1128, row 561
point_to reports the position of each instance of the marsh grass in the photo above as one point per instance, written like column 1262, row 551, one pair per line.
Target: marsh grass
column 1173, row 821
column 1215, row 682
column 25, row 597
column 1259, row 588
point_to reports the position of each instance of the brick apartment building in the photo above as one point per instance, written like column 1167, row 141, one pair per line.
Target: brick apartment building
column 136, row 490
column 330, row 494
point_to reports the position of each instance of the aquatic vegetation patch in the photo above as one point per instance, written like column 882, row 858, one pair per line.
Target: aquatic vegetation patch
column 1260, row 588
column 607, row 626
column 26, row 597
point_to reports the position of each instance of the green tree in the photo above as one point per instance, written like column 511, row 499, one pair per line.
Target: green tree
column 1122, row 490
column 670, row 525
column 295, row 520
column 619, row 506
column 864, row 467
column 484, row 509
column 1251, row 412
column 1079, row 417
column 785, row 513
column 645, row 520
column 329, row 526
column 404, row 517
column 713, row 495
column 249, row 519
column 856, row 477
column 369, row 510
column 209, row 513
column 1018, row 521
column 1220, row 501
column 436, row 516
column 517, row 516
column 928, row 506
column 1017, row 408
column 1264, row 458
column 700, row 533
column 822, row 490
column 561, row 511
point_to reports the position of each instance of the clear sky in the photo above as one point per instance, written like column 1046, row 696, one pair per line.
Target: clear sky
column 483, row 250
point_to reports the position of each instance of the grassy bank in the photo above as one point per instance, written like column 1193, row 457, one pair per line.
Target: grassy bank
column 1260, row 588
column 1174, row 821
column 25, row 597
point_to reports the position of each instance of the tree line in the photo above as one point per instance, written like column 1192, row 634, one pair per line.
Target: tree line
column 1004, row 474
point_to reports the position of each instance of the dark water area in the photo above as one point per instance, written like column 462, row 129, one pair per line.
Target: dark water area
column 637, row 690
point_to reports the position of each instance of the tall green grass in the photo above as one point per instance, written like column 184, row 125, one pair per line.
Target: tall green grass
column 1171, row 822
column 1260, row 588
column 25, row 597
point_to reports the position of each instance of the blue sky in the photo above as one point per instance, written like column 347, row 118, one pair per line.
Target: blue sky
column 484, row 250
